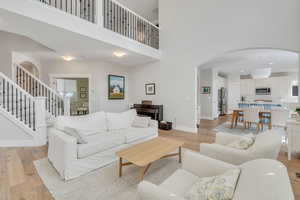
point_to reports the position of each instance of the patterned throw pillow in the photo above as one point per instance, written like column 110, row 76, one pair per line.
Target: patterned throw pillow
column 243, row 143
column 215, row 188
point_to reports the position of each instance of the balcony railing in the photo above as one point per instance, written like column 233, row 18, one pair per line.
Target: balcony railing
column 85, row 9
column 116, row 17
column 125, row 22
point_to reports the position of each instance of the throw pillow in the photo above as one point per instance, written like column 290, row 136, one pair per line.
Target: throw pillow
column 220, row 187
column 129, row 116
column 141, row 122
column 243, row 143
column 81, row 139
column 115, row 121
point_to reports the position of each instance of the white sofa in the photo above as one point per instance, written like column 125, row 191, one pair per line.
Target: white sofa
column 266, row 145
column 106, row 133
column 261, row 179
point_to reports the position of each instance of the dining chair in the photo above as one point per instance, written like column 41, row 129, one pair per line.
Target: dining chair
column 251, row 116
column 279, row 116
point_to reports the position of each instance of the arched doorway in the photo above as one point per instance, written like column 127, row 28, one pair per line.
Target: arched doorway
column 240, row 73
column 30, row 67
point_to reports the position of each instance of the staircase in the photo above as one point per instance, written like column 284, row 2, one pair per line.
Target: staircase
column 22, row 116
column 26, row 106
column 54, row 102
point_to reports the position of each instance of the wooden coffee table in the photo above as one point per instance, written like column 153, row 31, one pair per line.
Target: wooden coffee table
column 144, row 154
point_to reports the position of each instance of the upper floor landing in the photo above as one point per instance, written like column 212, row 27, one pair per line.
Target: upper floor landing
column 88, row 26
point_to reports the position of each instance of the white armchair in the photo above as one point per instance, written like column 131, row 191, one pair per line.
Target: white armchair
column 279, row 116
column 194, row 166
column 274, row 182
column 267, row 145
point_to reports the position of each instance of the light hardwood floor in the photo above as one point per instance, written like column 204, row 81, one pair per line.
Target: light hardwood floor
column 20, row 181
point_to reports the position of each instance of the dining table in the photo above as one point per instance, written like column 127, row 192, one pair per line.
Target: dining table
column 262, row 114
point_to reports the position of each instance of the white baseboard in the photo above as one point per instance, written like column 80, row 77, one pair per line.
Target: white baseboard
column 18, row 143
column 186, row 129
column 207, row 118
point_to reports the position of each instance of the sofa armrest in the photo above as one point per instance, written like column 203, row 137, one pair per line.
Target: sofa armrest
column 226, row 138
column 62, row 150
column 153, row 123
column 226, row 154
column 149, row 191
column 203, row 166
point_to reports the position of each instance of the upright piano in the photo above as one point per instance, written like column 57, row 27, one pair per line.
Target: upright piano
column 153, row 111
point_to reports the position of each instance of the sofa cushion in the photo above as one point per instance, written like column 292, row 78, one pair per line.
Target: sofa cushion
column 118, row 121
column 267, row 144
column 129, row 116
column 141, row 122
column 87, row 125
column 99, row 143
column 115, row 121
column 133, row 134
column 179, row 182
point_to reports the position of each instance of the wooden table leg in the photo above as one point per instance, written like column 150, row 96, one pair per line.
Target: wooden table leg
column 143, row 172
column 120, row 167
column 179, row 154
column 233, row 119
column 270, row 122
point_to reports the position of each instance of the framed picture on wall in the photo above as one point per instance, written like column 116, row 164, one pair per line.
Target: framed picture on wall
column 150, row 89
column 205, row 90
column 116, row 87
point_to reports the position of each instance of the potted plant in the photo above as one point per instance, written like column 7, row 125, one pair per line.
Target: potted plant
column 298, row 114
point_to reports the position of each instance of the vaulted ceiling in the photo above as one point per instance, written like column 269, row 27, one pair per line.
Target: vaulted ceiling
column 246, row 61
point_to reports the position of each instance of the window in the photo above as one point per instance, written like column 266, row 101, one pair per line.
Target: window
column 295, row 91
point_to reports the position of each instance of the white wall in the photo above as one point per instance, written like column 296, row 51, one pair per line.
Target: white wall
column 209, row 102
column 99, row 72
column 195, row 32
column 10, row 45
column 233, row 88
column 206, row 100
column 10, row 131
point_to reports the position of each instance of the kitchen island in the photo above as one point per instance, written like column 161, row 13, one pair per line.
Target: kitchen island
column 265, row 105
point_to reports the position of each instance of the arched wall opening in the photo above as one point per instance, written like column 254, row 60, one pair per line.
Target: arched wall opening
column 227, row 79
column 30, row 67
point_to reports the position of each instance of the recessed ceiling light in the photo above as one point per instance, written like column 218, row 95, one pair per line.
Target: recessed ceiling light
column 120, row 54
column 68, row 58
column 270, row 63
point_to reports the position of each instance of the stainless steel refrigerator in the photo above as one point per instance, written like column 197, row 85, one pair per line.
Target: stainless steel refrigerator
column 222, row 101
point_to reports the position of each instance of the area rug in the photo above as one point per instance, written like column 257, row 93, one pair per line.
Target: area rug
column 239, row 130
column 103, row 184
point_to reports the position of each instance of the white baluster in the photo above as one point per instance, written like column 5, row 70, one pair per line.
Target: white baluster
column 67, row 106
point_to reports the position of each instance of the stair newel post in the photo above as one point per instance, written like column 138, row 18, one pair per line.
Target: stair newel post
column 14, row 73
column 39, row 118
column 67, row 106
